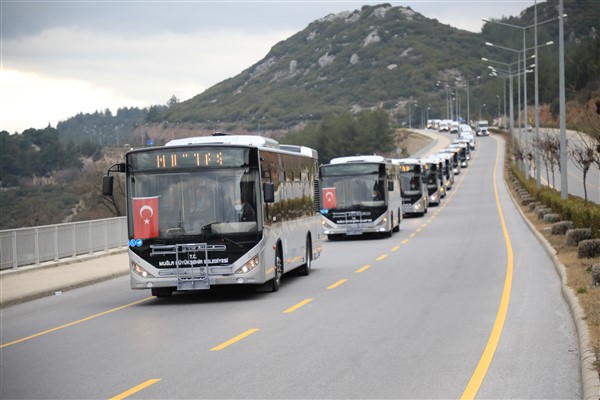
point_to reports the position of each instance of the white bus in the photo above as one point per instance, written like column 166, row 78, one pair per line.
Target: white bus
column 415, row 198
column 434, row 178
column 360, row 194
column 219, row 210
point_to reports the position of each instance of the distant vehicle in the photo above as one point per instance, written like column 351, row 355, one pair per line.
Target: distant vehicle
column 471, row 139
column 361, row 194
column 414, row 186
column 433, row 123
column 467, row 133
column 529, row 128
column 434, row 184
column 462, row 153
column 448, row 169
column 219, row 210
column 454, row 127
column 481, row 128
column 444, row 126
column 455, row 154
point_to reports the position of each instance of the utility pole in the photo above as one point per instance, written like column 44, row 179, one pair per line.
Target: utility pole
column 564, row 193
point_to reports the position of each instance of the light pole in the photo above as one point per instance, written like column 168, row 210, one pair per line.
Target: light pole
column 525, row 119
column 410, row 115
column 498, row 97
column 561, row 15
column 480, row 107
column 510, row 74
column 564, row 193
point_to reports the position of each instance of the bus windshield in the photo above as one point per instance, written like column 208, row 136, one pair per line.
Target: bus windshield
column 193, row 203
column 411, row 183
column 432, row 179
column 356, row 190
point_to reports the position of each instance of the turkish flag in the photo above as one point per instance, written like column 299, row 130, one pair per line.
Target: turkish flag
column 329, row 200
column 145, row 217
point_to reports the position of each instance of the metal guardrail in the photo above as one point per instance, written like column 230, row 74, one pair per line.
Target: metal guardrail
column 27, row 246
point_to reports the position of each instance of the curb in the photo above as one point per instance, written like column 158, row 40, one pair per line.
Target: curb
column 590, row 380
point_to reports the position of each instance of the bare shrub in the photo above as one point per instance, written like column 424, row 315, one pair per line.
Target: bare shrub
column 596, row 274
column 551, row 218
column 589, row 248
column 574, row 236
column 561, row 227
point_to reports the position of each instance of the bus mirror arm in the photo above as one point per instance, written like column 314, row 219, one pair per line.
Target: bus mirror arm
column 107, row 180
column 269, row 192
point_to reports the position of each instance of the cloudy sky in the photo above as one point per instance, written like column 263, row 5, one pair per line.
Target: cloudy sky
column 59, row 58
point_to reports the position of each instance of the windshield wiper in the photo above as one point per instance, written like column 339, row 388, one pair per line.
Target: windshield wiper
column 179, row 231
column 208, row 227
column 232, row 241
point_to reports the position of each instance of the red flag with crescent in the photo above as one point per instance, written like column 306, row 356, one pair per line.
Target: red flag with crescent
column 329, row 199
column 145, row 217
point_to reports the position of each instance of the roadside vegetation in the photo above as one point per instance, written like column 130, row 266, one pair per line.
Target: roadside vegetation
column 570, row 226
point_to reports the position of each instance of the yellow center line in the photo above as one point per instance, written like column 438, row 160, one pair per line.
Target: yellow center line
column 424, row 225
column 135, row 389
column 297, row 306
column 381, row 257
column 234, row 340
column 73, row 323
column 395, row 248
column 412, row 235
column 338, row 283
column 419, row 229
column 492, row 344
column 358, row 271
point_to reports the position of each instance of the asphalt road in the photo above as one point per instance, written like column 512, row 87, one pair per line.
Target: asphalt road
column 461, row 302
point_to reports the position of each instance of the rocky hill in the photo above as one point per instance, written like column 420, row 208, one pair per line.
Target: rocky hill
column 375, row 56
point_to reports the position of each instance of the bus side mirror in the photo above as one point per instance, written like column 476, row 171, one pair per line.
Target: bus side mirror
column 269, row 192
column 390, row 186
column 107, row 185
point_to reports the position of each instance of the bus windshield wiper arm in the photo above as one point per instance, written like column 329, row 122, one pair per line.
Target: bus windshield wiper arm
column 207, row 227
column 233, row 242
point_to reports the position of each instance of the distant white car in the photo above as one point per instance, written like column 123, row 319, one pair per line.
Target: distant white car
column 454, row 127
column 467, row 133
column 482, row 128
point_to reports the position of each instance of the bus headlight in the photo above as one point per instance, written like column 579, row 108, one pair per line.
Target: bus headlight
column 140, row 271
column 249, row 266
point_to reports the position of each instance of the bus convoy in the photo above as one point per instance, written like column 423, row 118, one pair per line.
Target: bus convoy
column 245, row 210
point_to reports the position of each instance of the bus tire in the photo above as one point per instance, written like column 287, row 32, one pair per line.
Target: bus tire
column 275, row 283
column 397, row 227
column 162, row 292
column 305, row 269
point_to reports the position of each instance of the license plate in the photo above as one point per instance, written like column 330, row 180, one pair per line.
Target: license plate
column 353, row 232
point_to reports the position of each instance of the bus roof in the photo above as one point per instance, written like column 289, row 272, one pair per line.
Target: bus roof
column 407, row 161
column 242, row 140
column 358, row 159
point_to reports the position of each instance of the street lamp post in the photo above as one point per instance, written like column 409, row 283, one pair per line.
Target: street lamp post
column 525, row 120
column 510, row 74
column 498, row 97
column 536, row 110
column 564, row 193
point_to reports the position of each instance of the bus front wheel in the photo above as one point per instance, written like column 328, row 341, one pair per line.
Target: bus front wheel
column 276, row 281
column 304, row 270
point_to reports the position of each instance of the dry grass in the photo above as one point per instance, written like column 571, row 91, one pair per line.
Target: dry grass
column 579, row 276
